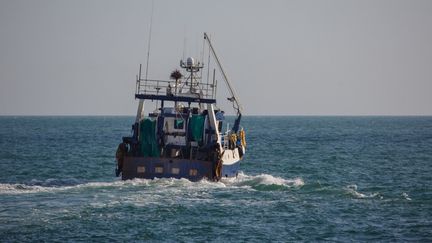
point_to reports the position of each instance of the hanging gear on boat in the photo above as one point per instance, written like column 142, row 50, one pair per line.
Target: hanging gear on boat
column 120, row 154
column 242, row 135
column 218, row 170
column 233, row 140
column 217, row 166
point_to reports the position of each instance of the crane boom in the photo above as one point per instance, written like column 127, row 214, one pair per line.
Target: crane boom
column 234, row 96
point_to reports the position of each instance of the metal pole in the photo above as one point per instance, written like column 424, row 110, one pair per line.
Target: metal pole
column 149, row 42
column 214, row 84
column 230, row 87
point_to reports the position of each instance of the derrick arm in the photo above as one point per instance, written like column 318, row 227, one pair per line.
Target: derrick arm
column 234, row 96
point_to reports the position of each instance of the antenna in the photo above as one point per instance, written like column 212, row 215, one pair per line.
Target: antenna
column 149, row 40
column 141, row 101
column 184, row 42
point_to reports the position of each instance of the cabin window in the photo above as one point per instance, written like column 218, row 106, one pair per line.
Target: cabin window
column 141, row 169
column 175, row 171
column 193, row 172
column 159, row 170
column 178, row 124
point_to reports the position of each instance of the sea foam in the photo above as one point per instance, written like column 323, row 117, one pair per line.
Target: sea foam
column 352, row 190
column 262, row 181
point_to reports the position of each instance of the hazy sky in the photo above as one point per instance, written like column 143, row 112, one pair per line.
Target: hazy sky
column 284, row 57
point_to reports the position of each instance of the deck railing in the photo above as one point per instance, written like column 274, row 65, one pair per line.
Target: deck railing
column 171, row 87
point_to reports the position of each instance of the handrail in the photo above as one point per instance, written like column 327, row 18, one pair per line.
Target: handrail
column 159, row 87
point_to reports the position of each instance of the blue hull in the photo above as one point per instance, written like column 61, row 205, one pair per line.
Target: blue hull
column 194, row 170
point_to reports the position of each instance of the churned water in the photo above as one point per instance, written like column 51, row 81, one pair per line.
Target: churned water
column 303, row 179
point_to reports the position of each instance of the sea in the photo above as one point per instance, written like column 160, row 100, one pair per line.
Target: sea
column 338, row 179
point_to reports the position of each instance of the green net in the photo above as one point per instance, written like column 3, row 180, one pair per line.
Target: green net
column 196, row 127
column 148, row 144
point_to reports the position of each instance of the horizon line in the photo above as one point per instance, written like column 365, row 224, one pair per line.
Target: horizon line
column 228, row 115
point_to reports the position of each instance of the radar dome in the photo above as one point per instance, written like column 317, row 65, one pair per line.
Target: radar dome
column 190, row 62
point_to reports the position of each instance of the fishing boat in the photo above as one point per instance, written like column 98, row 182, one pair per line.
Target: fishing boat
column 186, row 135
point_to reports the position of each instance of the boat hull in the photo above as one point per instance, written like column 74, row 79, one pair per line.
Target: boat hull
column 194, row 170
column 230, row 170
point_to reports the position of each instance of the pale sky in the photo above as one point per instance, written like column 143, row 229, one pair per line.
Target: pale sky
column 284, row 57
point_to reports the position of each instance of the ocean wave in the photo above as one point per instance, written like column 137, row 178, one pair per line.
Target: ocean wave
column 352, row 191
column 257, row 182
column 20, row 188
column 405, row 196
column 54, row 182
column 50, row 185
column 263, row 182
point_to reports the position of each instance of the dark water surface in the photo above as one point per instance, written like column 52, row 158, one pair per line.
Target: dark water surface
column 303, row 179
